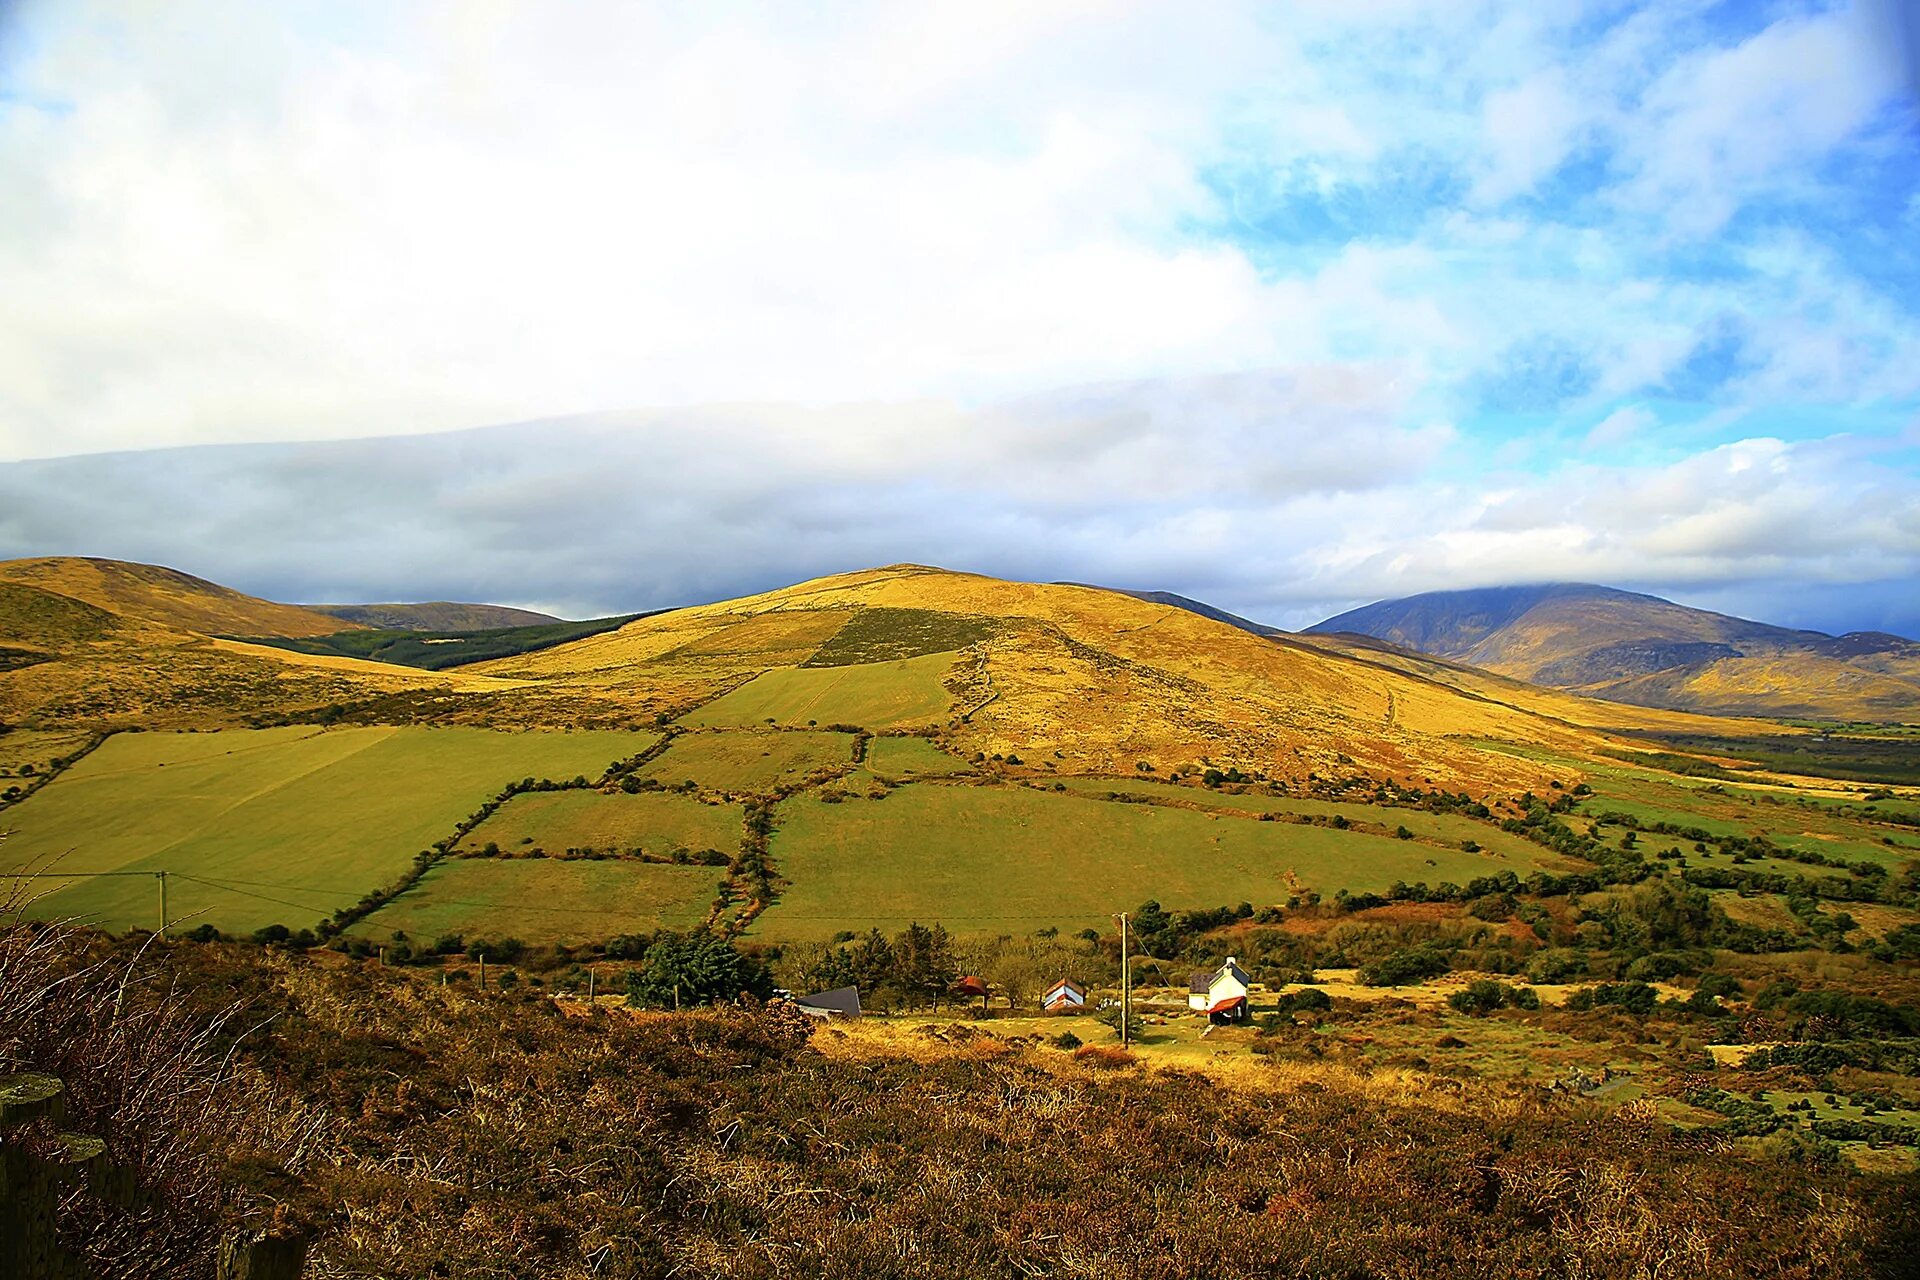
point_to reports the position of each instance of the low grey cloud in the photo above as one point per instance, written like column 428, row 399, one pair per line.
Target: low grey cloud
column 1284, row 496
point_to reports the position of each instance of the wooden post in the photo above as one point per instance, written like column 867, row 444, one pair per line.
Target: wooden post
column 589, row 988
column 1126, row 984
column 162, row 877
column 483, row 971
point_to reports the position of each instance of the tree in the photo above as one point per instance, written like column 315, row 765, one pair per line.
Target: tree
column 696, row 969
column 923, row 961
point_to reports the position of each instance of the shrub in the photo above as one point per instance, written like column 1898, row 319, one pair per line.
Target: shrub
column 1485, row 995
column 1633, row 997
column 1305, row 1000
column 1410, row 964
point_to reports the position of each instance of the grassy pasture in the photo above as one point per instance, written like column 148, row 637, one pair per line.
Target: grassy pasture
column 753, row 760
column 877, row 695
column 296, row 821
column 1444, row 828
column 901, row 759
column 1011, row 860
column 545, row 900
column 654, row 821
column 1786, row 821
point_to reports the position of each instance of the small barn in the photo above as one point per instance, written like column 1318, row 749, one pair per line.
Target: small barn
column 841, row 1002
column 1220, row 993
column 1064, row 996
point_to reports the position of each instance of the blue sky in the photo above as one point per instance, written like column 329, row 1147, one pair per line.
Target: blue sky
column 1288, row 306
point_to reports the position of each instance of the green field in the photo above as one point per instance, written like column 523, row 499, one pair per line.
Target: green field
column 750, row 761
column 293, row 823
column 1788, row 822
column 656, row 822
column 877, row 695
column 1443, row 828
column 900, row 759
column 1011, row 860
column 539, row 900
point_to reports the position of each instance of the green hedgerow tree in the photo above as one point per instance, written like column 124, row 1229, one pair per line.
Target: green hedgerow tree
column 682, row 971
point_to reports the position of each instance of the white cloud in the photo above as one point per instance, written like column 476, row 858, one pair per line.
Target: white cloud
column 1720, row 121
column 1621, row 425
column 1529, row 131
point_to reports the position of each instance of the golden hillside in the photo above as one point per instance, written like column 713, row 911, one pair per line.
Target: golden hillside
column 167, row 597
column 1070, row 679
column 69, row 662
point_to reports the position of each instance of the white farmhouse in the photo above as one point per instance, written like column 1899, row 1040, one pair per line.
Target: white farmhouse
column 1221, row 994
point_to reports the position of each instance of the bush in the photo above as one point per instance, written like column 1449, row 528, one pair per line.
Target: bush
column 1556, row 966
column 1632, row 997
column 1410, row 964
column 1307, row 1000
column 1485, row 995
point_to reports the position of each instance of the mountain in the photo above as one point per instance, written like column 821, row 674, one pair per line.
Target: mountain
column 1075, row 679
column 166, row 597
column 1068, row 679
column 437, row 615
column 1641, row 649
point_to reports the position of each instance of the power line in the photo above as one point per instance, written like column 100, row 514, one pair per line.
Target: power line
column 227, row 888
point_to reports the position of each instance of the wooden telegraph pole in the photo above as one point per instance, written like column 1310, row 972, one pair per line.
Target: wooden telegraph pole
column 1126, row 983
column 161, row 876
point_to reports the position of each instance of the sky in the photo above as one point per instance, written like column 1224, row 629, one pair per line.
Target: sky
column 601, row 307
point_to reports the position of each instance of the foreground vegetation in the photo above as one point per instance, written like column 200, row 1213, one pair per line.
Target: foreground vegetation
column 420, row 1130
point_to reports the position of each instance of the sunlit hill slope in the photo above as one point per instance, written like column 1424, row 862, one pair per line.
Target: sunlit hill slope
column 1062, row 679
column 1069, row 678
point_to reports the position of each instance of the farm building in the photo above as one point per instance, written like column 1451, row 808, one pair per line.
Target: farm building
column 971, row 986
column 1064, row 996
column 841, row 1002
column 1220, row 994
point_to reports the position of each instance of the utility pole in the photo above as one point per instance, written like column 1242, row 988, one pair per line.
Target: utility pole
column 1126, row 983
column 161, row 876
column 483, row 971
column 589, row 988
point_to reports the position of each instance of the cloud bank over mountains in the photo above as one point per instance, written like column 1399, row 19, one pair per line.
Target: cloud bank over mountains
column 1288, row 307
column 1113, row 484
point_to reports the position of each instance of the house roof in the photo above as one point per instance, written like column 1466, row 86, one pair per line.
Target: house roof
column 839, row 1000
column 970, row 984
column 1203, row 981
column 1069, row 984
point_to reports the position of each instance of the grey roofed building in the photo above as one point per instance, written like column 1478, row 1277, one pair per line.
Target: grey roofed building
column 841, row 1002
column 1204, row 979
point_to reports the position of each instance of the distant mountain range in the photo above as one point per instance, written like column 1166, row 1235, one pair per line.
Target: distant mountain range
column 1640, row 649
